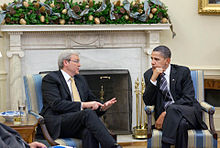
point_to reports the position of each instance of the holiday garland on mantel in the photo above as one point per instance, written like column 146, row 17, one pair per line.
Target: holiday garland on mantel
column 86, row 12
column 69, row 12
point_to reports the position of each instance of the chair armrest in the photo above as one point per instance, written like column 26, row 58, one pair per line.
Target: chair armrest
column 149, row 110
column 210, row 110
column 43, row 128
column 207, row 107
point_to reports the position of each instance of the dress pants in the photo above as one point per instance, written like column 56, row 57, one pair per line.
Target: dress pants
column 175, row 127
column 87, row 126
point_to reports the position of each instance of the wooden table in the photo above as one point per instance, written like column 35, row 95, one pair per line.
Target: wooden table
column 26, row 129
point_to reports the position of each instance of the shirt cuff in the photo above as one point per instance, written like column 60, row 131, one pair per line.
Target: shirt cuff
column 154, row 83
column 81, row 106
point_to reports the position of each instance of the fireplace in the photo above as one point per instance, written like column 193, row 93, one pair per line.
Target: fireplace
column 106, row 84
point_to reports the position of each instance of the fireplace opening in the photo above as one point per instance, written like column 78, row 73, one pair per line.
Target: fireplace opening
column 107, row 84
column 212, row 91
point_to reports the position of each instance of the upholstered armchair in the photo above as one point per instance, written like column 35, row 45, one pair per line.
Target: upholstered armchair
column 33, row 93
column 196, row 138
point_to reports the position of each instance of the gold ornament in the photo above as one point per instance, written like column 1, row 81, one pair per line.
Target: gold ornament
column 126, row 17
column 140, row 11
column 141, row 6
column 62, row 21
column 87, row 6
column 154, row 10
column 25, row 4
column 151, row 15
column 133, row 3
column 42, row 9
column 52, row 5
column 118, row 3
column 164, row 20
column 36, row 4
column 42, row 18
column 22, row 22
column 64, row 11
column 97, row 21
column 90, row 3
column 91, row 18
column 4, row 6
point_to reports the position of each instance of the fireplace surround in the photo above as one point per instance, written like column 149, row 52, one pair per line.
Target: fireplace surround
column 106, row 84
column 34, row 48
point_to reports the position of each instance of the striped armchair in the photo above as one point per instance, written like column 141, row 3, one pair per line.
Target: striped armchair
column 33, row 93
column 196, row 138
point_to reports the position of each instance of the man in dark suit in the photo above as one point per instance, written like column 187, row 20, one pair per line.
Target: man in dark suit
column 9, row 138
column 70, row 112
column 170, row 88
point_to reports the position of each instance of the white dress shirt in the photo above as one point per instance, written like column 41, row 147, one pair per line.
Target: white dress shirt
column 68, row 82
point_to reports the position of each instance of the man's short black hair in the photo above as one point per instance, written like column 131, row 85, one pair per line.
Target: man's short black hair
column 164, row 50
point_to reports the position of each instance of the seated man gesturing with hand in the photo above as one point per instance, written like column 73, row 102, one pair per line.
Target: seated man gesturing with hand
column 69, row 107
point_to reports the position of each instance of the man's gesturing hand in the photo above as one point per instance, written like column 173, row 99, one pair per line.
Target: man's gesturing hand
column 92, row 105
column 108, row 104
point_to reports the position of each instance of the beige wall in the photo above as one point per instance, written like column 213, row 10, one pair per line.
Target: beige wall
column 197, row 43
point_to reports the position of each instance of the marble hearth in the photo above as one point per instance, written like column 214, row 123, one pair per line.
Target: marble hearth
column 35, row 48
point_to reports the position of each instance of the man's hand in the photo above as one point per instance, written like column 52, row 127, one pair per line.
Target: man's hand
column 156, row 73
column 159, row 121
column 108, row 104
column 94, row 105
column 37, row 145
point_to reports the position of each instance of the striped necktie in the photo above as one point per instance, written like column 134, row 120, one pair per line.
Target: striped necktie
column 75, row 92
column 165, row 91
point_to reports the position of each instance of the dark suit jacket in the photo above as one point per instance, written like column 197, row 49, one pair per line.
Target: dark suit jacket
column 181, row 88
column 57, row 99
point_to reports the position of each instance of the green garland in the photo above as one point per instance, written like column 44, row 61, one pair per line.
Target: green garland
column 86, row 12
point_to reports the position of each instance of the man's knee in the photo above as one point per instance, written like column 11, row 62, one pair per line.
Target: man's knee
column 89, row 113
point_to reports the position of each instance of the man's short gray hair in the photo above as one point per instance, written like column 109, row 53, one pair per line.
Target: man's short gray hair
column 165, row 51
column 65, row 55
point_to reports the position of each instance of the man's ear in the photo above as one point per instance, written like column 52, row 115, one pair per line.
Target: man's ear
column 168, row 60
column 65, row 62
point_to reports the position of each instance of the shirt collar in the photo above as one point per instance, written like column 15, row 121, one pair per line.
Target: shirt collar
column 66, row 75
column 167, row 71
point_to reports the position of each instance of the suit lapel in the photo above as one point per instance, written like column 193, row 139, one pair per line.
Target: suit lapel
column 173, row 77
column 63, row 81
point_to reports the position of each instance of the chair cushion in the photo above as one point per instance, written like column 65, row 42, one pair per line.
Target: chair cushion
column 196, row 139
column 33, row 92
column 73, row 142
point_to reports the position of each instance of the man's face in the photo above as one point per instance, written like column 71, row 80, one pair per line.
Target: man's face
column 158, row 61
column 72, row 66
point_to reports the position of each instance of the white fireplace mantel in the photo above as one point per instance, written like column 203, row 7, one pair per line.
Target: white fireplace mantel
column 106, row 46
column 112, row 27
